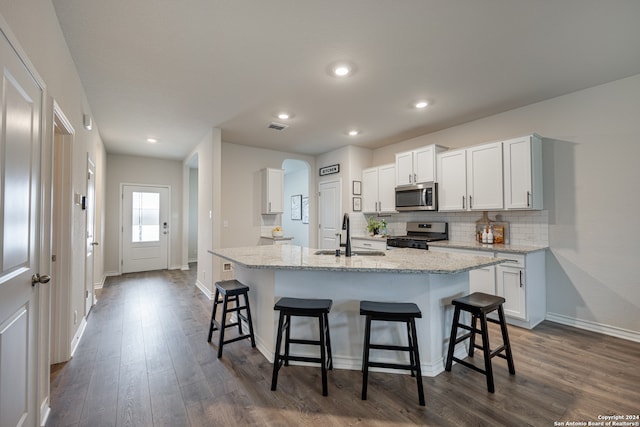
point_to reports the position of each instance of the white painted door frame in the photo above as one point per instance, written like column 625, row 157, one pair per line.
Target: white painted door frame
column 89, row 205
column 62, row 227
column 329, row 222
column 163, row 248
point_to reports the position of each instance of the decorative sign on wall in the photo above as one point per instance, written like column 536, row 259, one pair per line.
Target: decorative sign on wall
column 328, row 170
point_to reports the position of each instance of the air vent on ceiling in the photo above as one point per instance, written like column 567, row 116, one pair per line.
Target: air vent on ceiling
column 278, row 126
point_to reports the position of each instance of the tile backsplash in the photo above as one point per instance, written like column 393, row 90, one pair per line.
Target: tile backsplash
column 526, row 228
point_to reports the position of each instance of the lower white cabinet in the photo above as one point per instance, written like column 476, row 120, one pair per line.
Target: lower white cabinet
column 520, row 281
column 510, row 281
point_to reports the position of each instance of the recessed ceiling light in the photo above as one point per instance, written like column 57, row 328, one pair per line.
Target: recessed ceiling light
column 353, row 132
column 283, row 116
column 421, row 104
column 341, row 69
column 152, row 140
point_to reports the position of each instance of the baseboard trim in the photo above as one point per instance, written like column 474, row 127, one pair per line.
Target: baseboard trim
column 45, row 411
column 111, row 273
column 78, row 336
column 204, row 289
column 600, row 328
column 100, row 284
column 185, row 267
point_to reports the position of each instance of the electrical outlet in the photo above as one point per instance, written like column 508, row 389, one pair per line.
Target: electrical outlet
column 226, row 266
column 75, row 317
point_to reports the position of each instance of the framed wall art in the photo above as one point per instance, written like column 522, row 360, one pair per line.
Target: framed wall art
column 357, row 204
column 305, row 210
column 357, row 188
column 296, row 207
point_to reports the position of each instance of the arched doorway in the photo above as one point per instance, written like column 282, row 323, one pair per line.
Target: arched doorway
column 296, row 183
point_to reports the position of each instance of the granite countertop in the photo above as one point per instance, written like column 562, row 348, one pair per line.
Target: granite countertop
column 516, row 249
column 398, row 260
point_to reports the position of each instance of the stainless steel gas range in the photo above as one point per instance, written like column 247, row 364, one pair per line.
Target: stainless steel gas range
column 419, row 234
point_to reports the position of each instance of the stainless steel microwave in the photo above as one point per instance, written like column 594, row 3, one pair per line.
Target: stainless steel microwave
column 419, row 197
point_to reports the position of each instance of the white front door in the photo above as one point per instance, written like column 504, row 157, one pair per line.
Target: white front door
column 330, row 214
column 90, row 206
column 20, row 101
column 145, row 228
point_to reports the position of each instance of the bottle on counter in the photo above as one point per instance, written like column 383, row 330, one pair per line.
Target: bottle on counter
column 490, row 235
column 485, row 235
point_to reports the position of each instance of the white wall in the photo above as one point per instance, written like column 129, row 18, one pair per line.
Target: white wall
column 242, row 192
column 590, row 156
column 141, row 170
column 208, row 152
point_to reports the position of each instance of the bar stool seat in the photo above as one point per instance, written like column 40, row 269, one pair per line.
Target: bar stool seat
column 229, row 291
column 392, row 312
column 318, row 308
column 479, row 304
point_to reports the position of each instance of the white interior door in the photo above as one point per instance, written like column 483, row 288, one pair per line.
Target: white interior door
column 90, row 206
column 145, row 228
column 20, row 101
column 330, row 214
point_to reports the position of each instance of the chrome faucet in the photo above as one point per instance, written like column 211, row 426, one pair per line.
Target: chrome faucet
column 346, row 226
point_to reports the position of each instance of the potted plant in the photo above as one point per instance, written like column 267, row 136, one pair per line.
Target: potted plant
column 376, row 227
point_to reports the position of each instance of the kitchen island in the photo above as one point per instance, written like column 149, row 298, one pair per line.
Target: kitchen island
column 426, row 278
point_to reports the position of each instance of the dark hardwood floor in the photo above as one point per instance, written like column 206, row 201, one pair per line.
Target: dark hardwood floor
column 144, row 361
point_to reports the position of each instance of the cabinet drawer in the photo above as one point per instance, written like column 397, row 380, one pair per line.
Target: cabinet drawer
column 515, row 260
column 373, row 245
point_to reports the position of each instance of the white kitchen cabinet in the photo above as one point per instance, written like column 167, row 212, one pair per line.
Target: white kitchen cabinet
column 417, row 166
column 520, row 281
column 378, row 189
column 452, row 180
column 272, row 191
column 481, row 279
column 484, row 177
column 470, row 179
column 523, row 173
column 362, row 243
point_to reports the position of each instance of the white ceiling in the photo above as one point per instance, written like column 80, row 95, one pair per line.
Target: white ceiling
column 172, row 70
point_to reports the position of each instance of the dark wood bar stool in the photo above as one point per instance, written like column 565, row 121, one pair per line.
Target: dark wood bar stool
column 392, row 312
column 229, row 291
column 318, row 308
column 479, row 305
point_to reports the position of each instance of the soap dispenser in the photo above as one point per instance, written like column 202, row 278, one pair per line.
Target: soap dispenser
column 485, row 235
column 490, row 235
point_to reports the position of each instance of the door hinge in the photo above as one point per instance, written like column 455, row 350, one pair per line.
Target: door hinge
column 53, row 258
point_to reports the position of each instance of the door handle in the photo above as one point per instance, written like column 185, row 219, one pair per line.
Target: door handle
column 37, row 278
column 94, row 243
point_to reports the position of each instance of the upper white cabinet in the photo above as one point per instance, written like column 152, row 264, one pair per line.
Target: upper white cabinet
column 378, row 189
column 470, row 179
column 272, row 191
column 484, row 177
column 523, row 173
column 417, row 166
column 452, row 180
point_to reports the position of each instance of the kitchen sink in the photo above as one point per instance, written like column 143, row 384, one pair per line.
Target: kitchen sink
column 353, row 253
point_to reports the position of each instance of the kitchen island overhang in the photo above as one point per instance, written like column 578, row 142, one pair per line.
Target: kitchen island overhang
column 429, row 279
